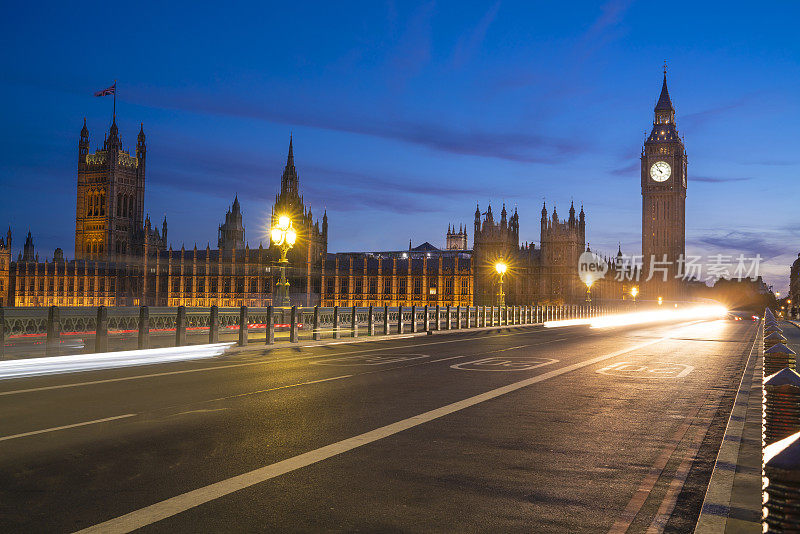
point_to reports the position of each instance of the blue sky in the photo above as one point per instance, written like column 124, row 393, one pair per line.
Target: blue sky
column 405, row 115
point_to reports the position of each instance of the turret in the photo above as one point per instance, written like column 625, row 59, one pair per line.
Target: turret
column 141, row 148
column 571, row 214
column 325, row 223
column 503, row 220
column 28, row 253
column 544, row 217
column 112, row 141
column 555, row 215
column 477, row 219
column 164, row 230
column 289, row 180
column 83, row 144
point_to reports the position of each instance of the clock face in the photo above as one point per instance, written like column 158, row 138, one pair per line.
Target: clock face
column 660, row 171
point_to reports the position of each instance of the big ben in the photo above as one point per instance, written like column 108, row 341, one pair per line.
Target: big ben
column 663, row 204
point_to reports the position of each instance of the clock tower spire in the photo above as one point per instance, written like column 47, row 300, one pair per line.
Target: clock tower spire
column 663, row 203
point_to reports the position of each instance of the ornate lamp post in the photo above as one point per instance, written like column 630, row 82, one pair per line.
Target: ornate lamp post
column 589, row 282
column 284, row 236
column 634, row 292
column 501, row 269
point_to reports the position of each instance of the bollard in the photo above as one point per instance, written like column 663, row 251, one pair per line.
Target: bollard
column 399, row 319
column 448, row 320
column 336, row 334
column 243, row 326
column 469, row 318
column 2, row 331
column 458, row 317
column 53, row 331
column 438, row 317
column 371, row 321
column 386, row 320
column 144, row 328
column 354, row 323
column 781, row 405
column 777, row 357
column 781, row 485
column 317, row 335
column 775, row 338
column 180, row 327
column 270, row 325
column 483, row 316
column 213, row 325
column 427, row 322
column 413, row 319
column 293, row 326
column 101, row 332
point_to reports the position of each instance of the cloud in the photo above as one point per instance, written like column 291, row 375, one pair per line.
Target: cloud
column 770, row 163
column 468, row 44
column 517, row 146
column 744, row 242
column 221, row 174
column 627, row 170
column 700, row 118
column 718, row 179
column 413, row 50
column 600, row 32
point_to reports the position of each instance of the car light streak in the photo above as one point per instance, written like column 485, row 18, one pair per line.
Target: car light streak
column 107, row 360
column 655, row 316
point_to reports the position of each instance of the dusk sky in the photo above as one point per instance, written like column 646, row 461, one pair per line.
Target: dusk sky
column 405, row 115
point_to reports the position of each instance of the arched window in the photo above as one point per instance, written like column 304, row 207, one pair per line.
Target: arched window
column 130, row 206
column 102, row 204
column 119, row 204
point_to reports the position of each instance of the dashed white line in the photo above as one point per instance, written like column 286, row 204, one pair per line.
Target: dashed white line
column 24, row 434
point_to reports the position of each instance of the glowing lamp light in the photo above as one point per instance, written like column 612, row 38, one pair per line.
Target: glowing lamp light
column 634, row 291
column 284, row 222
column 660, row 301
column 277, row 235
column 500, row 267
column 291, row 236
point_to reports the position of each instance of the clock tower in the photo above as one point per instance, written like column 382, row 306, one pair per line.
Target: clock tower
column 663, row 204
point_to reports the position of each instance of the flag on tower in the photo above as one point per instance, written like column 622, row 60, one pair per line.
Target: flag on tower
column 108, row 91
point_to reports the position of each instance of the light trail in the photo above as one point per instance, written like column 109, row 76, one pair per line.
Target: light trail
column 653, row 316
column 107, row 360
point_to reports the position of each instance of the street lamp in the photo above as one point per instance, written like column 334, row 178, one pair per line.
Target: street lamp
column 660, row 301
column 589, row 281
column 501, row 269
column 284, row 236
column 634, row 292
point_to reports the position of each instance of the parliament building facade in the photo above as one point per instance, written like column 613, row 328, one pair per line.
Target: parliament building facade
column 122, row 259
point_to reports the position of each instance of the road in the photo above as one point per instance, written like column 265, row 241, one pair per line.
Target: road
column 523, row 430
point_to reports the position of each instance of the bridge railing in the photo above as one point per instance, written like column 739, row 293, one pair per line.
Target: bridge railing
column 54, row 330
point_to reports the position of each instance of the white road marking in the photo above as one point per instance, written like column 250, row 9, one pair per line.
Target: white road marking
column 243, row 364
column 503, row 364
column 638, row 370
column 186, row 501
column 366, row 359
column 24, row 434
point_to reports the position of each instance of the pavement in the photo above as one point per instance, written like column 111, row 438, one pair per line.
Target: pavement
column 520, row 430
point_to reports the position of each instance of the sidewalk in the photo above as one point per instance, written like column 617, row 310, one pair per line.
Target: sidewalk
column 733, row 498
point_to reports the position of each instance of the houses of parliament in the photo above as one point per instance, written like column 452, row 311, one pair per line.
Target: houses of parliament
column 121, row 258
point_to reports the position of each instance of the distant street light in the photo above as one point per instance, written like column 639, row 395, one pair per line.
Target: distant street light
column 501, row 269
column 660, row 301
column 634, row 292
column 589, row 281
column 284, row 236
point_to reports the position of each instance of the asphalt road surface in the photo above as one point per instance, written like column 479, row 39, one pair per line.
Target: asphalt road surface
column 523, row 430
